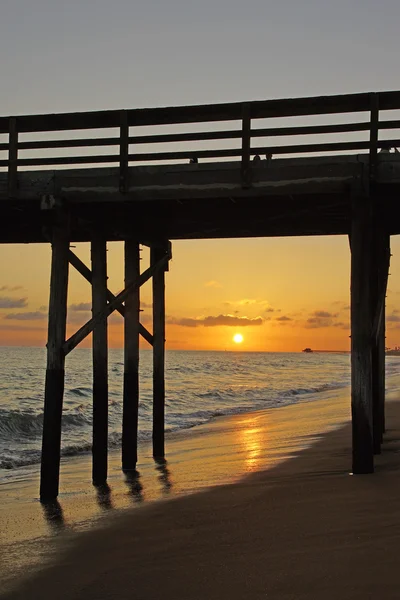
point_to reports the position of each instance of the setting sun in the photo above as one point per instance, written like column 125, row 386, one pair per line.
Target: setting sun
column 238, row 338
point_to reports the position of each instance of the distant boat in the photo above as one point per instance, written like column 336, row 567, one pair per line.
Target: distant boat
column 307, row 350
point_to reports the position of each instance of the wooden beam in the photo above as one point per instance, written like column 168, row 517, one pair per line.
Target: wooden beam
column 131, row 359
column 54, row 386
column 198, row 114
column 124, row 153
column 156, row 255
column 373, row 138
column 361, row 329
column 13, row 158
column 246, row 142
column 84, row 331
column 87, row 274
column 100, row 360
column 164, row 138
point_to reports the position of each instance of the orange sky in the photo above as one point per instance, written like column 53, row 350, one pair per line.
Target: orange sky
column 280, row 294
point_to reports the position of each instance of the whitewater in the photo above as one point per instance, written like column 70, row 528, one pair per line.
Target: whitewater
column 200, row 386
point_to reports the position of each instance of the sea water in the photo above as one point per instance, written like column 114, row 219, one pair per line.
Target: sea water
column 200, row 386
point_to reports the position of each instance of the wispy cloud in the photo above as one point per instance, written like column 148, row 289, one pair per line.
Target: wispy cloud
column 393, row 318
column 26, row 316
column 320, row 319
column 8, row 288
column 7, row 302
column 82, row 306
column 218, row 321
column 213, row 284
column 283, row 319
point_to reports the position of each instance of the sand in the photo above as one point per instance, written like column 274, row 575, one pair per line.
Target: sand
column 305, row 528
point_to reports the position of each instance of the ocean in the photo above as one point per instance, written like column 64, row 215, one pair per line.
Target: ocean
column 200, row 387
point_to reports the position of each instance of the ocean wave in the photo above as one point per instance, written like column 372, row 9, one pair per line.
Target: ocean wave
column 15, row 424
column 80, row 391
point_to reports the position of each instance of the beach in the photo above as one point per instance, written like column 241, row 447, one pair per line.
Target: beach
column 287, row 520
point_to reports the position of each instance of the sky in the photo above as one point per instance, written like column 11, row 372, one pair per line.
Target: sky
column 280, row 294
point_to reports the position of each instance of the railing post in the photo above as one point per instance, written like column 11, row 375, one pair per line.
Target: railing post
column 373, row 137
column 124, row 153
column 12, row 157
column 246, row 136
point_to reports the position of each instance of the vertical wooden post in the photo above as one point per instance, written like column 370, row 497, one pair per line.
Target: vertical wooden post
column 131, row 359
column 54, row 387
column 13, row 158
column 124, row 153
column 375, row 282
column 100, row 361
column 158, row 355
column 382, row 335
column 246, row 143
column 382, row 375
column 361, row 332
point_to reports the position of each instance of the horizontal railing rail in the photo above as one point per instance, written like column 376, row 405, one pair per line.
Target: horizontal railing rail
column 246, row 113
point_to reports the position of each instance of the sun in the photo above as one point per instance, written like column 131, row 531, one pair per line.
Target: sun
column 238, row 338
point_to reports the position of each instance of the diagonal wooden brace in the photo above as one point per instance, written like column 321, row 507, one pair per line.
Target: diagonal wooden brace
column 80, row 266
column 84, row 331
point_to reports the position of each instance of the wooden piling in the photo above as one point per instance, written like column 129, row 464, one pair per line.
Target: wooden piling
column 361, row 336
column 158, row 355
column 100, row 361
column 54, row 386
column 131, row 359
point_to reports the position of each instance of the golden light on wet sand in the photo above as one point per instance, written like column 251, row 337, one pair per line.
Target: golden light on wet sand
column 238, row 338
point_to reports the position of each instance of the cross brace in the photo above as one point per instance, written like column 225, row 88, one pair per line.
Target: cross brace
column 80, row 266
column 84, row 331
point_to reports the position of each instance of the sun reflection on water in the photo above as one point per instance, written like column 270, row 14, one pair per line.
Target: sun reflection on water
column 252, row 444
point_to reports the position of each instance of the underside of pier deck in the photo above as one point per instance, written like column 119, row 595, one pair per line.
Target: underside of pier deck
column 285, row 197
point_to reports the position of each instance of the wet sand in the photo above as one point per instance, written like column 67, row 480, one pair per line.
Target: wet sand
column 303, row 528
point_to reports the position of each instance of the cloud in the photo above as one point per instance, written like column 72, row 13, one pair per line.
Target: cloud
column 283, row 319
column 6, row 302
column 7, row 288
column 145, row 304
column 5, row 327
column 320, row 319
column 213, row 284
column 393, row 318
column 341, row 325
column 82, row 306
column 218, row 321
column 26, row 316
column 323, row 314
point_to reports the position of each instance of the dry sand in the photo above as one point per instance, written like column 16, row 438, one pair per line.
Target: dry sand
column 304, row 529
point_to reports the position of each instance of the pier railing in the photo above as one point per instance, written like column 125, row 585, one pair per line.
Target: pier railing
column 28, row 142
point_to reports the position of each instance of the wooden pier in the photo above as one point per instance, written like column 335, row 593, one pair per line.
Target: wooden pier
column 67, row 189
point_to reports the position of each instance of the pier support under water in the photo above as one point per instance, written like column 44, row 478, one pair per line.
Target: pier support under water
column 104, row 303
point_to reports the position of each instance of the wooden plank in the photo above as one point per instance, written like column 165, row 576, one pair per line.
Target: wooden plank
column 361, row 330
column 131, row 359
column 54, row 386
column 80, row 266
column 100, row 360
column 196, row 114
column 124, row 153
column 13, row 158
column 84, row 331
column 158, row 282
column 201, row 154
column 373, row 139
column 203, row 136
column 246, row 142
